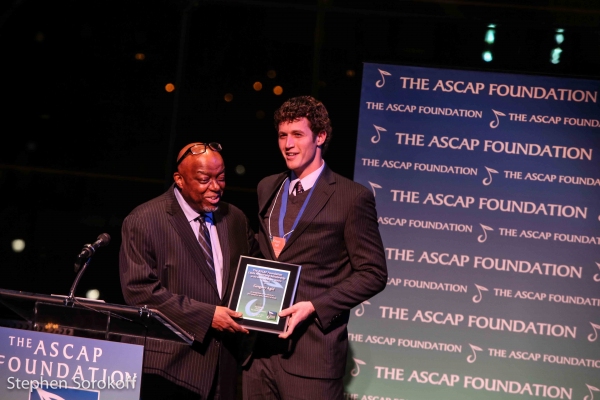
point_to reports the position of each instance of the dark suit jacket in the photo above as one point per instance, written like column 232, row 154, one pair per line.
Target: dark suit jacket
column 338, row 244
column 162, row 266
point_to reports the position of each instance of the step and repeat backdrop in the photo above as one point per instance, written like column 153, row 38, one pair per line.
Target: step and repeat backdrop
column 488, row 199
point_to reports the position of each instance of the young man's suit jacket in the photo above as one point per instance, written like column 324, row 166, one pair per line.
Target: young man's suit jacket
column 338, row 245
column 162, row 266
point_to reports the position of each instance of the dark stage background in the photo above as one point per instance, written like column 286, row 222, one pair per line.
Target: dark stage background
column 89, row 131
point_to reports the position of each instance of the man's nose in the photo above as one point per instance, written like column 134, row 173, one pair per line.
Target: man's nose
column 214, row 185
column 289, row 142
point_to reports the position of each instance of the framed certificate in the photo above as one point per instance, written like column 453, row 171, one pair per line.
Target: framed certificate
column 261, row 289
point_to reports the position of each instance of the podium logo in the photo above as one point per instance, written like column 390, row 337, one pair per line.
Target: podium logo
column 63, row 394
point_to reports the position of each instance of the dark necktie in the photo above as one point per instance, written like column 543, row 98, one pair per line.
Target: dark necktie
column 204, row 239
column 298, row 188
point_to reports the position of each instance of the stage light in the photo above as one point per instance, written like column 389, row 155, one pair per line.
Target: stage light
column 169, row 87
column 490, row 37
column 555, row 55
column 228, row 97
column 240, row 170
column 140, row 56
column 257, row 86
column 278, row 90
column 18, row 245
column 271, row 73
column 93, row 294
column 559, row 37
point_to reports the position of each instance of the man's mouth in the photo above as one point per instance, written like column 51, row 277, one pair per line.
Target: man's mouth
column 213, row 199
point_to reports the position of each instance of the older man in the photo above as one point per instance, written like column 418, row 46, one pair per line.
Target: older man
column 179, row 255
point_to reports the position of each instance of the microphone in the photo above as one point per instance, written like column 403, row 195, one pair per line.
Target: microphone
column 89, row 249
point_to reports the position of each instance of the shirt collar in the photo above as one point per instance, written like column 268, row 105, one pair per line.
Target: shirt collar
column 189, row 212
column 308, row 181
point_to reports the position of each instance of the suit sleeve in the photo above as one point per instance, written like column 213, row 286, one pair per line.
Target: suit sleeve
column 141, row 285
column 252, row 239
column 368, row 276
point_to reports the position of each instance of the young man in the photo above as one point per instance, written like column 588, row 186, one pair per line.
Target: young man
column 179, row 254
column 328, row 225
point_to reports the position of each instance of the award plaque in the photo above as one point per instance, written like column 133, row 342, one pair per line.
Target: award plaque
column 262, row 288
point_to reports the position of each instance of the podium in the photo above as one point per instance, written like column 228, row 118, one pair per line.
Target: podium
column 87, row 318
column 76, row 348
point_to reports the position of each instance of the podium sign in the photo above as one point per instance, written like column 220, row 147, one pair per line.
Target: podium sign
column 39, row 365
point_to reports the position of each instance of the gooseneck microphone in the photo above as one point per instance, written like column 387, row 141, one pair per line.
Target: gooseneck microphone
column 89, row 249
column 85, row 256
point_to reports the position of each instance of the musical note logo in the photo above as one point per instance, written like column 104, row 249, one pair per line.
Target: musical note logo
column 597, row 276
column 593, row 336
column 360, row 311
column 488, row 180
column 381, row 82
column 357, row 363
column 47, row 396
column 473, row 357
column 376, row 139
column 494, row 124
column 591, row 389
column 483, row 238
column 478, row 297
column 373, row 187
column 264, row 281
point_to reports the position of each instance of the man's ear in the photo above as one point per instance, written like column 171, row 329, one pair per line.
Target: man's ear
column 321, row 136
column 178, row 180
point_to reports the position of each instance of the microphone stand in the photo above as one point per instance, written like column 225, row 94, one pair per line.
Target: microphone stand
column 70, row 300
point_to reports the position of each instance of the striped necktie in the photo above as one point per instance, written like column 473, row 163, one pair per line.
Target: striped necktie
column 298, row 188
column 204, row 239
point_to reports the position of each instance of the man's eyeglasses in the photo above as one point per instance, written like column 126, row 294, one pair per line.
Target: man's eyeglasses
column 199, row 148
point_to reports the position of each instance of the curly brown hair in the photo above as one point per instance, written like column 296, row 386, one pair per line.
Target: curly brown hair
column 306, row 107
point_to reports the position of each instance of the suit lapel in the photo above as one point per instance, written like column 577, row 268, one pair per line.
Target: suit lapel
column 265, row 208
column 323, row 190
column 181, row 225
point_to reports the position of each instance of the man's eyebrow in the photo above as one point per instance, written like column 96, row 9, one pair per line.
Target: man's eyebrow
column 203, row 172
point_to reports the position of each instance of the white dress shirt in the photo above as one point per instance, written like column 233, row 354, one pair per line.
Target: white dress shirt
column 308, row 181
column 192, row 217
